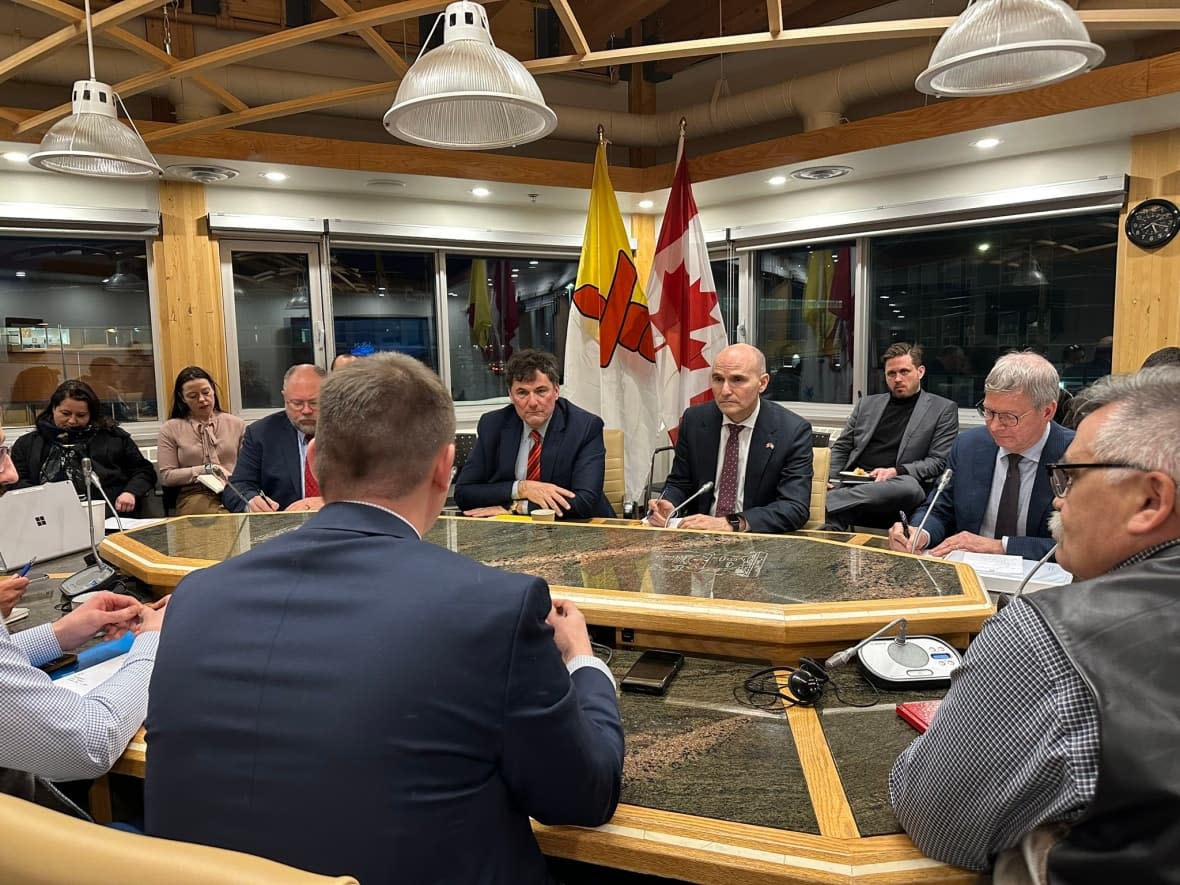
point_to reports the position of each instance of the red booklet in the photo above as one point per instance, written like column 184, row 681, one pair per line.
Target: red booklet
column 918, row 713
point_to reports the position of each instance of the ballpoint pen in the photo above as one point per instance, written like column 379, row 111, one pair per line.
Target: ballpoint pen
column 905, row 523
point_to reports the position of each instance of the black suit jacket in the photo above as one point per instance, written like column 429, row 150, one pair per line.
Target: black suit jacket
column 778, row 468
column 573, row 456
column 349, row 699
column 267, row 462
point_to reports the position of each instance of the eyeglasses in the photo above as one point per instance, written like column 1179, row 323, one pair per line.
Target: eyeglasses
column 1060, row 478
column 300, row 404
column 1006, row 419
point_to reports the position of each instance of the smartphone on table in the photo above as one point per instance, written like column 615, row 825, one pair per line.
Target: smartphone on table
column 653, row 672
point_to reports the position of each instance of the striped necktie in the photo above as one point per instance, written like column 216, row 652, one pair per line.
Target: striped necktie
column 534, row 468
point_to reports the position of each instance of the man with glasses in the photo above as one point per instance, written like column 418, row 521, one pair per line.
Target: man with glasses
column 998, row 501
column 273, row 471
column 1055, row 749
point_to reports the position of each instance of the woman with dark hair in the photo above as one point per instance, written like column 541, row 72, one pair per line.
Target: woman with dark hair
column 198, row 444
column 73, row 427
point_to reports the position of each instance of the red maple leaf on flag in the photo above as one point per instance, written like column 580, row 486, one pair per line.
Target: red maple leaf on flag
column 683, row 310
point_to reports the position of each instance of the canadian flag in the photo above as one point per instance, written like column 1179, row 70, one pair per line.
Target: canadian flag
column 682, row 299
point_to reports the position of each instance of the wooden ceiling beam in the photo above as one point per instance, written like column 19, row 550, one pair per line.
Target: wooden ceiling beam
column 604, row 18
column 68, row 13
column 1096, row 20
column 249, row 49
column 72, row 33
column 270, row 112
column 572, row 29
column 374, row 40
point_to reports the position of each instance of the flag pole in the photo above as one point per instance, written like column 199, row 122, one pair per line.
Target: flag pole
column 680, row 143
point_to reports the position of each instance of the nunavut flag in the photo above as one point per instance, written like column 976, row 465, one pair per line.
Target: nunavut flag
column 689, row 332
column 610, row 357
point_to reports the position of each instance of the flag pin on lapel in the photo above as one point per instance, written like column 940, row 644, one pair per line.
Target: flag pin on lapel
column 770, row 445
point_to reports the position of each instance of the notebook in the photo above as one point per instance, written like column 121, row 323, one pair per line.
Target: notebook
column 42, row 521
column 918, row 713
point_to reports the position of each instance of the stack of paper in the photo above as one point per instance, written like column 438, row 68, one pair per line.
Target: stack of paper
column 1002, row 574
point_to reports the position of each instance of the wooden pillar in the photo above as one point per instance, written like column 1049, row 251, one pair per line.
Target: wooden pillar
column 188, row 283
column 1147, row 282
column 643, row 229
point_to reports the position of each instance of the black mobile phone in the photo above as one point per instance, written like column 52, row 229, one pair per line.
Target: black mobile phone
column 652, row 673
column 66, row 660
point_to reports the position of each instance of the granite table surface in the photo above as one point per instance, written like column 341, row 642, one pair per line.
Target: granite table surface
column 780, row 570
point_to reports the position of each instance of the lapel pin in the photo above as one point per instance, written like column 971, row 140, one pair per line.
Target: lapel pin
column 770, row 446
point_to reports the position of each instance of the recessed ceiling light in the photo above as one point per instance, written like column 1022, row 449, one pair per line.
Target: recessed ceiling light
column 480, row 192
column 274, row 175
column 983, row 247
column 533, row 263
column 21, row 273
column 777, row 180
column 16, row 157
column 385, row 184
column 986, row 144
column 646, row 204
column 821, row 173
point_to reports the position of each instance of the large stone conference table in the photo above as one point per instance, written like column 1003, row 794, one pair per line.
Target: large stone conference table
column 771, row 597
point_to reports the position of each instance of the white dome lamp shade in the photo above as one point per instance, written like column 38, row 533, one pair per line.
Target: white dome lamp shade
column 1000, row 46
column 91, row 141
column 467, row 94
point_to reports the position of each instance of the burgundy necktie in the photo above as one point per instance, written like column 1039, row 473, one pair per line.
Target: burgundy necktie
column 727, row 489
column 534, row 469
column 311, row 488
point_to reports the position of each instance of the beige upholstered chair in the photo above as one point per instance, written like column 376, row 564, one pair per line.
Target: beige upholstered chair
column 43, row 847
column 821, row 461
column 613, row 485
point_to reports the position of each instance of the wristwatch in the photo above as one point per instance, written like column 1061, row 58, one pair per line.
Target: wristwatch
column 737, row 522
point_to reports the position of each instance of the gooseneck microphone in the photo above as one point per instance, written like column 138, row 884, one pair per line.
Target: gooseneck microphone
column 98, row 575
column 1040, row 562
column 943, row 482
column 843, row 657
column 92, row 479
column 707, row 487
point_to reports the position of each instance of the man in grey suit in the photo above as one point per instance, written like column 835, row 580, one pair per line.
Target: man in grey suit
column 900, row 440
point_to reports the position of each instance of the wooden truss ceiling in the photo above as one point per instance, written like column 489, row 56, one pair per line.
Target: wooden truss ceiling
column 666, row 35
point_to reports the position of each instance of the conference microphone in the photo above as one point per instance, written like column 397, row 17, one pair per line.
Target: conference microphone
column 92, row 479
column 98, row 575
column 943, row 482
column 1040, row 562
column 707, row 487
column 904, row 662
column 841, row 658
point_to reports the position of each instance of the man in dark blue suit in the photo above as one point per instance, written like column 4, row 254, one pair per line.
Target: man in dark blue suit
column 271, row 472
column 349, row 699
column 999, row 499
column 761, row 472
column 540, row 452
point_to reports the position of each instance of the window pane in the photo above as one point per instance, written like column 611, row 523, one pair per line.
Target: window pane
column 725, row 278
column 803, row 296
column 272, row 307
column 497, row 306
column 968, row 296
column 383, row 302
column 76, row 309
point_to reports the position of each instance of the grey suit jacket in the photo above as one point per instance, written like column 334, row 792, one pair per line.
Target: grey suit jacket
column 925, row 444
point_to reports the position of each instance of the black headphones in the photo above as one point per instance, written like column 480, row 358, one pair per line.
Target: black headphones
column 806, row 683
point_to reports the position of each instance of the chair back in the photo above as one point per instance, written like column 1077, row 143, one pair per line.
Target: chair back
column 464, row 443
column 43, row 847
column 821, row 462
column 614, row 487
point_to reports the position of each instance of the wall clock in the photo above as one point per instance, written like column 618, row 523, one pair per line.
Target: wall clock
column 1153, row 223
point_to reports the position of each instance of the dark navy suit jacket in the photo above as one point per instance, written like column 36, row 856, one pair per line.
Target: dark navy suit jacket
column 572, row 456
column 778, row 467
column 349, row 699
column 269, row 462
column 961, row 506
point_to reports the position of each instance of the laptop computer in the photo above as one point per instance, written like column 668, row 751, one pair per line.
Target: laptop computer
column 42, row 521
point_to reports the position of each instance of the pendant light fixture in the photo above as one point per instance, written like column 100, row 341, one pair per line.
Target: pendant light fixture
column 91, row 141
column 467, row 94
column 999, row 46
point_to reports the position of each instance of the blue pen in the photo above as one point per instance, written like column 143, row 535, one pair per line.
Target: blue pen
column 28, row 565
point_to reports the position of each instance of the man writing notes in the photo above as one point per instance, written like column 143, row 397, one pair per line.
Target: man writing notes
column 273, row 471
column 899, row 439
column 540, row 452
column 999, row 500
column 756, row 453
column 1053, row 757
column 348, row 698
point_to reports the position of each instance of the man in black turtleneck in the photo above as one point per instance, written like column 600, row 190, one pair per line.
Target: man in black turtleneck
column 900, row 440
column 1054, row 751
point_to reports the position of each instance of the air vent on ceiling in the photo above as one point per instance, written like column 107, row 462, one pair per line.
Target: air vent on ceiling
column 205, row 174
column 820, row 173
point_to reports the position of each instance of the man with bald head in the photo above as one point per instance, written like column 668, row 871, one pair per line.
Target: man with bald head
column 273, row 472
column 756, row 453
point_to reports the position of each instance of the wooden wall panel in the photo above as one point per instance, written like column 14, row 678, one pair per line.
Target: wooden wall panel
column 1147, row 287
column 188, row 285
column 643, row 228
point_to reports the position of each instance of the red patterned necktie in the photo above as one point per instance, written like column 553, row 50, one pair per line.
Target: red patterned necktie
column 311, row 488
column 534, row 468
column 727, row 489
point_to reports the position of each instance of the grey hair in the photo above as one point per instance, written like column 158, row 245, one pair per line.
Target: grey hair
column 1027, row 373
column 298, row 367
column 1144, row 424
